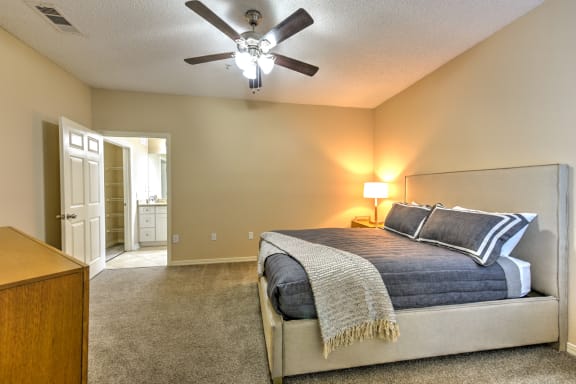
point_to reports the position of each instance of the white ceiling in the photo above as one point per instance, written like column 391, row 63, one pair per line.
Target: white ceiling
column 367, row 50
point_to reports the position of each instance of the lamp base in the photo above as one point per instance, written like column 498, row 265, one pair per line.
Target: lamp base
column 375, row 221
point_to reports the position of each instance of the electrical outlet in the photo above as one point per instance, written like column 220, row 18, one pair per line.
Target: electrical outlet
column 175, row 238
column 213, row 236
column 250, row 235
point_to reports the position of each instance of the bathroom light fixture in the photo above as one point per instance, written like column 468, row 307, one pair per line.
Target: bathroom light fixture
column 375, row 190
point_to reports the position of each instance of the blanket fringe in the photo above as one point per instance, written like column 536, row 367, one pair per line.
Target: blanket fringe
column 382, row 328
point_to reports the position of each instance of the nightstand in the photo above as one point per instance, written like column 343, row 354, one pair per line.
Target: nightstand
column 364, row 222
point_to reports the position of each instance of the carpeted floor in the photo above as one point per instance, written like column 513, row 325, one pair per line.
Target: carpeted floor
column 201, row 324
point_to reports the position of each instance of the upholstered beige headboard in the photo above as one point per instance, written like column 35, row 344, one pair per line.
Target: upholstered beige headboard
column 542, row 189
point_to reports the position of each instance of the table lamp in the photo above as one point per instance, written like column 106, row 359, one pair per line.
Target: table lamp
column 375, row 190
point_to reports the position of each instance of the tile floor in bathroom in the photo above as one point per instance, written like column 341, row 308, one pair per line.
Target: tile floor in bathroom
column 144, row 257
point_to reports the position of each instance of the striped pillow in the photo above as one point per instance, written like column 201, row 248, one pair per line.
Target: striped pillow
column 482, row 235
column 406, row 219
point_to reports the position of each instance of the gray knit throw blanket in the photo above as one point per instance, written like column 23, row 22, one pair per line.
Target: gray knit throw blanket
column 352, row 302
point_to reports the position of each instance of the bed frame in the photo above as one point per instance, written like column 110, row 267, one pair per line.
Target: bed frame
column 294, row 347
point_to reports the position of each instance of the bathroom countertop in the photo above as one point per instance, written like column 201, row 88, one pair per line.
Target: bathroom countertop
column 151, row 204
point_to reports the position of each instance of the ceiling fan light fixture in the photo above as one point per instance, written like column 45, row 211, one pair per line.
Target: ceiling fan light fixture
column 243, row 59
column 250, row 71
column 264, row 46
column 266, row 63
column 249, row 55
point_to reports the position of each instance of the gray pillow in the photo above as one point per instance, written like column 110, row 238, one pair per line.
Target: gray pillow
column 478, row 234
column 406, row 219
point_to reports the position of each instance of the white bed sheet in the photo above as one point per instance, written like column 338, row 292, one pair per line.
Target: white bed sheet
column 525, row 277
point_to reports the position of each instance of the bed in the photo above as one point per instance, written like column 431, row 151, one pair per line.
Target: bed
column 294, row 346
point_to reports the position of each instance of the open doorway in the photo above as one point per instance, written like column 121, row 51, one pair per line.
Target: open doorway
column 115, row 177
column 137, row 198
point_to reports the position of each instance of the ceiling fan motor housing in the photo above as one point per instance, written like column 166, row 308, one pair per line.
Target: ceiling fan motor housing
column 248, row 40
column 253, row 17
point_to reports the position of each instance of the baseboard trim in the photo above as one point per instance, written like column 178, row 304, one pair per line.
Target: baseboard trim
column 571, row 349
column 214, row 261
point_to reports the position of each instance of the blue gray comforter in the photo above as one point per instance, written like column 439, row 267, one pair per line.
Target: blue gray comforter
column 415, row 274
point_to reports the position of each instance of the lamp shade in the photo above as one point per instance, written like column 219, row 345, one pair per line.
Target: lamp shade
column 375, row 190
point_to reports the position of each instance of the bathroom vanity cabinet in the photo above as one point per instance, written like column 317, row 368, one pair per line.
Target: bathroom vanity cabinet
column 153, row 224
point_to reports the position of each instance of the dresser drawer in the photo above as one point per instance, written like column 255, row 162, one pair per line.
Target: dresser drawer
column 144, row 210
column 147, row 220
column 147, row 234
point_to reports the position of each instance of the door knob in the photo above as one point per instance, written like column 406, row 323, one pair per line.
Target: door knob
column 67, row 216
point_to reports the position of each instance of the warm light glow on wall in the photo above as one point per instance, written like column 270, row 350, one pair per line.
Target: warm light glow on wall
column 395, row 179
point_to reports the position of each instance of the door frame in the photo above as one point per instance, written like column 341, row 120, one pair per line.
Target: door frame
column 132, row 207
column 129, row 241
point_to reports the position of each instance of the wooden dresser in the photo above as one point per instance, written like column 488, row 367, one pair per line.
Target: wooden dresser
column 43, row 313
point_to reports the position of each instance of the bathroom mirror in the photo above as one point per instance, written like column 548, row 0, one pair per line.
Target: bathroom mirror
column 157, row 175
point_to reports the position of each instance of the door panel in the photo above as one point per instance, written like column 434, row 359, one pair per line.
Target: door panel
column 76, row 140
column 94, row 238
column 94, row 183
column 77, row 239
column 93, row 145
column 75, row 181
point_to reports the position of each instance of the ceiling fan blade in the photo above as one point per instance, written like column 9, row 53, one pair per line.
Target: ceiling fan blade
column 204, row 12
column 295, row 65
column 209, row 58
column 289, row 27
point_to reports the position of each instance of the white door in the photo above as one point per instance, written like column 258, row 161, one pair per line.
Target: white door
column 82, row 194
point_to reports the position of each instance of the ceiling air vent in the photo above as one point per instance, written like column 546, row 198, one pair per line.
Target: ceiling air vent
column 54, row 17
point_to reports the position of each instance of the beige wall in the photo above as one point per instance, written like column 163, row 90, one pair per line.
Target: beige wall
column 240, row 166
column 509, row 101
column 33, row 92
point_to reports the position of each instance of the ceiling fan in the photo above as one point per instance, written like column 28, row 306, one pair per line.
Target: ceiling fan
column 252, row 53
